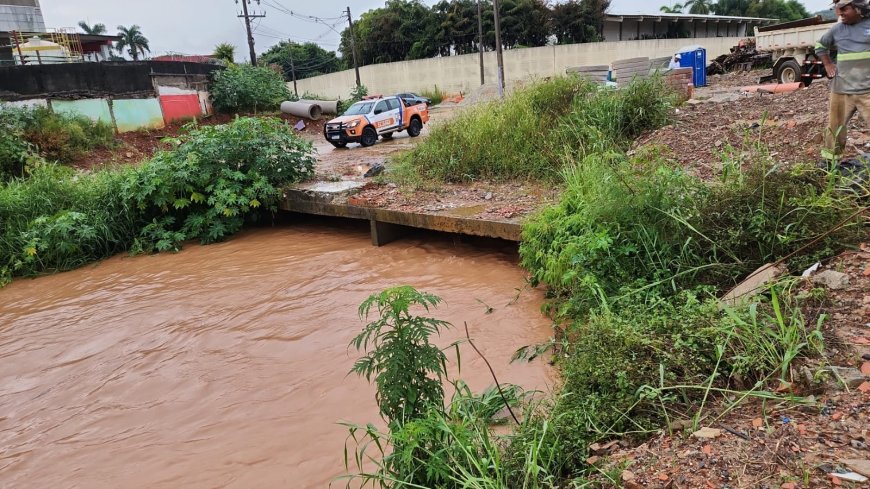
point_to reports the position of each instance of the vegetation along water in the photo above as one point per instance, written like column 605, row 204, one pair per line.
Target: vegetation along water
column 633, row 257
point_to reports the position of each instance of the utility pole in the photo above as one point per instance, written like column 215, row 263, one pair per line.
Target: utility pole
column 293, row 70
column 248, row 18
column 498, row 50
column 353, row 47
column 480, row 39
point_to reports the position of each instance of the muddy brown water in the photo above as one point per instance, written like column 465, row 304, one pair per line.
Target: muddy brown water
column 226, row 365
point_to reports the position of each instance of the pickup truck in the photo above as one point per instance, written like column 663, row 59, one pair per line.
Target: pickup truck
column 365, row 121
column 792, row 49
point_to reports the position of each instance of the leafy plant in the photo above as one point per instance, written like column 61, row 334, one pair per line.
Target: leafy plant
column 56, row 136
column 215, row 179
column 55, row 219
column 407, row 367
column 225, row 52
column 454, row 448
column 14, row 149
column 356, row 94
column 245, row 88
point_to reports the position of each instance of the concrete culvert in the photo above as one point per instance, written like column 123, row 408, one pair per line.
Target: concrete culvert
column 301, row 109
column 326, row 106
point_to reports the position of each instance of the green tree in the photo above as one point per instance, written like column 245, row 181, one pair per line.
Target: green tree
column 701, row 7
column 241, row 88
column 225, row 51
column 524, row 23
column 407, row 368
column 391, row 33
column 577, row 21
column 94, row 30
column 308, row 59
column 675, row 9
column 783, row 10
column 133, row 41
column 778, row 9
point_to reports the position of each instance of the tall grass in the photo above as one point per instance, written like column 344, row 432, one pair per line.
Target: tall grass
column 535, row 131
column 57, row 136
column 57, row 219
column 627, row 226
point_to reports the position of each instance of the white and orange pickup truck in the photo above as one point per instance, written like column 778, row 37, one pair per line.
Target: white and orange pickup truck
column 365, row 121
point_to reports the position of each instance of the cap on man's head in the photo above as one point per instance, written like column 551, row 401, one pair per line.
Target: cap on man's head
column 842, row 3
column 677, row 56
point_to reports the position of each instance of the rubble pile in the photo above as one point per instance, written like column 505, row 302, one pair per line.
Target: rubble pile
column 743, row 57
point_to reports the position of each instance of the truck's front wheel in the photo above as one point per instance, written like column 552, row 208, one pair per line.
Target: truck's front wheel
column 789, row 72
column 369, row 137
column 415, row 127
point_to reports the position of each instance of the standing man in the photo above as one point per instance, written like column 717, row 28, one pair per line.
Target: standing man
column 850, row 88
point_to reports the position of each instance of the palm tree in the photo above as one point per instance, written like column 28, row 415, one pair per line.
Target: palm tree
column 225, row 51
column 95, row 30
column 132, row 40
column 676, row 9
column 699, row 6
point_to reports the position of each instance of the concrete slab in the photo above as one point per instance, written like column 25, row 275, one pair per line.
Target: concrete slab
column 388, row 224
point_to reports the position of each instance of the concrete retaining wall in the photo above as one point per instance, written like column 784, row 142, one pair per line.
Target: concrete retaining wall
column 454, row 74
column 127, row 115
column 94, row 109
column 136, row 114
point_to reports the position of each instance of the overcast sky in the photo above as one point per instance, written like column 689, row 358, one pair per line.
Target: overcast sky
column 196, row 26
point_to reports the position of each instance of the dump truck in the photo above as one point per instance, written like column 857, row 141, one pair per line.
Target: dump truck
column 792, row 49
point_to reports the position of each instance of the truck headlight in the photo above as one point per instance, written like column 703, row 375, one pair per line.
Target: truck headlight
column 353, row 124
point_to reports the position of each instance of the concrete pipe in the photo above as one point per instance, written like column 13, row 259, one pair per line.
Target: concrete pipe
column 326, row 106
column 301, row 109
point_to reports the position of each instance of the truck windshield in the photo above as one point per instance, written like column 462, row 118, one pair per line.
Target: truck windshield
column 359, row 108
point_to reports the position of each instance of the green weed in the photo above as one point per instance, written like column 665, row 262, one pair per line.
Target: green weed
column 245, row 88
column 535, row 132
column 216, row 179
column 54, row 136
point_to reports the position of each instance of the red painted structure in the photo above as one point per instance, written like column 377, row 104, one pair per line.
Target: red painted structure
column 180, row 107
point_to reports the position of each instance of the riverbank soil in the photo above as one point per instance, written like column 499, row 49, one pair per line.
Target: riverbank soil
column 777, row 444
column 722, row 120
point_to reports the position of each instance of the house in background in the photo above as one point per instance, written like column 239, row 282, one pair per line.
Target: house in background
column 661, row 25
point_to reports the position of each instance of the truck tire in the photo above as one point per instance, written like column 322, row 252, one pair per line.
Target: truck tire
column 415, row 127
column 369, row 137
column 789, row 72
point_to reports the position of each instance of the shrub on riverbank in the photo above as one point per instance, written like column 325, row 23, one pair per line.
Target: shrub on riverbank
column 57, row 219
column 215, row 180
column 535, row 131
column 245, row 88
column 56, row 136
column 635, row 255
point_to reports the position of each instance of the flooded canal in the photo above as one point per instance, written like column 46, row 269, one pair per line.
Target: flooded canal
column 226, row 365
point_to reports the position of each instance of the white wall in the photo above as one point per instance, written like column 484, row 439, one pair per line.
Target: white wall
column 454, row 74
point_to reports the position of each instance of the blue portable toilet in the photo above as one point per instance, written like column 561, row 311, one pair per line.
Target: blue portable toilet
column 695, row 58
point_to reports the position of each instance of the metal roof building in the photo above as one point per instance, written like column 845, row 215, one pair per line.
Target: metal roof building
column 629, row 27
column 21, row 15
